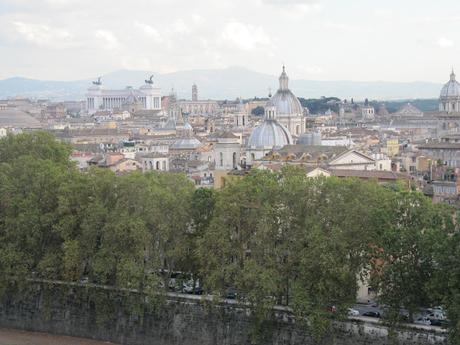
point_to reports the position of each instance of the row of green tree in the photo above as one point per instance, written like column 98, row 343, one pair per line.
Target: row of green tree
column 274, row 238
column 320, row 105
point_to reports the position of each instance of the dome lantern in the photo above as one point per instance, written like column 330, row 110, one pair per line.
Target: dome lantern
column 284, row 80
column 284, row 100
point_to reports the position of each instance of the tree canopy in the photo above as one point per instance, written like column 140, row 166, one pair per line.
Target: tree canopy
column 271, row 238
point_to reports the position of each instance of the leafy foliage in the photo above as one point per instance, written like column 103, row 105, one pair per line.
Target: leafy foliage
column 271, row 238
column 258, row 111
column 320, row 105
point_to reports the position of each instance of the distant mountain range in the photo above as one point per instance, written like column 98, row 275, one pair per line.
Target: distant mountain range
column 228, row 83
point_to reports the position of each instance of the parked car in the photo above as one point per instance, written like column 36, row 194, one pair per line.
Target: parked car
column 189, row 288
column 353, row 312
column 84, row 280
column 176, row 285
column 437, row 314
column 423, row 321
column 372, row 314
column 198, row 290
column 231, row 293
column 437, row 322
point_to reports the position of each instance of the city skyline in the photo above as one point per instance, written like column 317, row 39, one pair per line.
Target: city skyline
column 316, row 39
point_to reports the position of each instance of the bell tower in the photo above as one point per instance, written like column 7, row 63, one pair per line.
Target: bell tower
column 194, row 93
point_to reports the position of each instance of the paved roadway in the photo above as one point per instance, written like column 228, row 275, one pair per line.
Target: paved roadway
column 17, row 337
column 362, row 308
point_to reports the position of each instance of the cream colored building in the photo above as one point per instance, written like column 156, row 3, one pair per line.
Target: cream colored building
column 227, row 152
column 353, row 160
column 147, row 97
column 125, row 165
column 154, row 162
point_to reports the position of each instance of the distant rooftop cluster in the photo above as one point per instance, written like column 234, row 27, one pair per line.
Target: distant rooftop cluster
column 213, row 141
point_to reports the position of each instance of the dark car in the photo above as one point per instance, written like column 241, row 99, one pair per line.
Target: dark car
column 437, row 322
column 199, row 290
column 371, row 314
column 231, row 293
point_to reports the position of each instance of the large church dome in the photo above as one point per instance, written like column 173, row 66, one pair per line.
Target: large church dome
column 270, row 133
column 451, row 88
column 285, row 101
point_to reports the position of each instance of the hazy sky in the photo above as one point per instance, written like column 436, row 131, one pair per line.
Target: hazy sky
column 393, row 40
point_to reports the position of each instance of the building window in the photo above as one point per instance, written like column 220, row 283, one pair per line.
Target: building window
column 234, row 160
column 158, row 165
column 221, row 159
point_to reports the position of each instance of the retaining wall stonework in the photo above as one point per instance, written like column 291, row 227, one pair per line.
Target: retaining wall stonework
column 188, row 320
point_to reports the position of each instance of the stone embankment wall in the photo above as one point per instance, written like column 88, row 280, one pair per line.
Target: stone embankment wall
column 188, row 320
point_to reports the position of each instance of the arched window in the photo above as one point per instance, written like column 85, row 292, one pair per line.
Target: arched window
column 234, row 160
column 221, row 159
column 158, row 165
column 151, row 165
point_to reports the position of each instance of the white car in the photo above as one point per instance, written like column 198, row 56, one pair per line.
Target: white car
column 353, row 312
column 437, row 313
column 423, row 321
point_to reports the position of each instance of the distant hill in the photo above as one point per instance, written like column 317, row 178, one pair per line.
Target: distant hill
column 228, row 83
